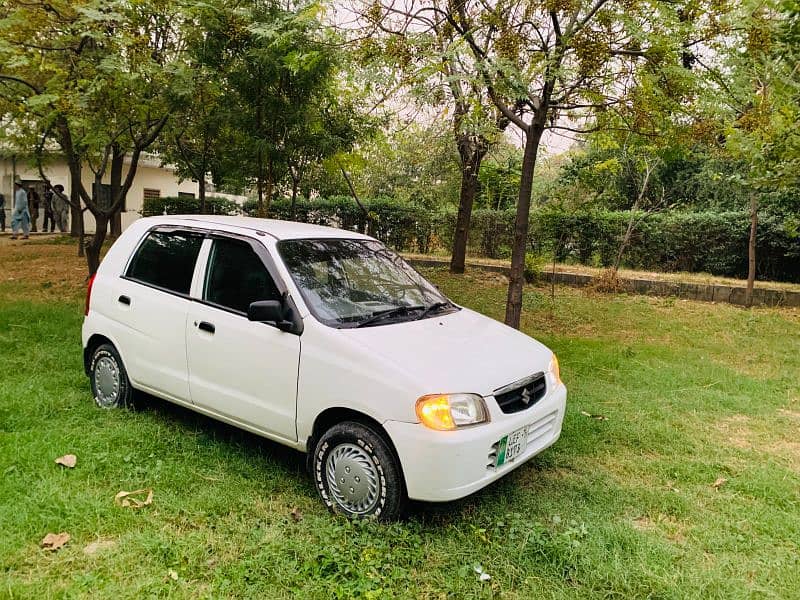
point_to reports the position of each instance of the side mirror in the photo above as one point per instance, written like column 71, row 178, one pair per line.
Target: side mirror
column 265, row 310
column 273, row 311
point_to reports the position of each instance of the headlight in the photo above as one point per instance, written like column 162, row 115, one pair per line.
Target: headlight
column 451, row 411
column 554, row 369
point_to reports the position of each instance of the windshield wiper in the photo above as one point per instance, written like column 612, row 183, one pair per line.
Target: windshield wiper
column 385, row 314
column 432, row 307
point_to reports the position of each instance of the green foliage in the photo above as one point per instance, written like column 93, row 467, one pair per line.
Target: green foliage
column 500, row 182
column 95, row 76
column 534, row 265
column 186, row 205
column 757, row 102
column 699, row 241
column 418, row 165
column 289, row 106
column 401, row 225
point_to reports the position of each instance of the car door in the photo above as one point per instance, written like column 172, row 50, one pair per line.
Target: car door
column 244, row 370
column 151, row 301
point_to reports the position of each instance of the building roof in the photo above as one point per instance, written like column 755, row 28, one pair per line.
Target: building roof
column 281, row 230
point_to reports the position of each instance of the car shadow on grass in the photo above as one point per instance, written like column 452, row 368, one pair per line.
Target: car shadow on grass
column 254, row 446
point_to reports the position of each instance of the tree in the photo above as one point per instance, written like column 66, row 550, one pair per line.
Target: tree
column 435, row 69
column 544, row 63
column 93, row 76
column 414, row 163
column 193, row 139
column 283, row 64
column 761, row 107
column 332, row 125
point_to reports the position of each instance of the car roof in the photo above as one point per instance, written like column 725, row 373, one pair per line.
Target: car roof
column 280, row 230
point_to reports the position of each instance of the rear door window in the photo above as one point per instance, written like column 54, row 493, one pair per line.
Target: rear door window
column 236, row 276
column 166, row 259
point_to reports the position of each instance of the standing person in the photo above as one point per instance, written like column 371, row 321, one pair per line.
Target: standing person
column 2, row 213
column 33, row 207
column 60, row 207
column 48, row 211
column 20, row 217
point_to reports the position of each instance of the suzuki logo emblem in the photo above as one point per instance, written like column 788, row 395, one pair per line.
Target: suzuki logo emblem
column 526, row 396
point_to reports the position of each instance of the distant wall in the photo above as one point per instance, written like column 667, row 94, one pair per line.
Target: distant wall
column 149, row 176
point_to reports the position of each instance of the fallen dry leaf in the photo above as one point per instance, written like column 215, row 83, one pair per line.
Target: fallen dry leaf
column 591, row 416
column 129, row 500
column 54, row 541
column 296, row 514
column 719, row 483
column 173, row 574
column 95, row 547
column 68, row 460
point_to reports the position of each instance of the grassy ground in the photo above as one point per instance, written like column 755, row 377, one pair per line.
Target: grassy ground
column 625, row 506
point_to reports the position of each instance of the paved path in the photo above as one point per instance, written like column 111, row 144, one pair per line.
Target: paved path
column 708, row 292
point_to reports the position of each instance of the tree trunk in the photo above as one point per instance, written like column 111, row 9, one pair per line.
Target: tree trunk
column 260, row 186
column 201, row 189
column 471, row 158
column 751, row 251
column 366, row 227
column 94, row 247
column 520, row 243
column 625, row 241
column 270, row 184
column 76, row 212
column 295, row 182
column 117, row 161
column 81, row 238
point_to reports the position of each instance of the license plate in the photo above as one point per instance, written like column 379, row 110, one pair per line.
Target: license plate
column 512, row 445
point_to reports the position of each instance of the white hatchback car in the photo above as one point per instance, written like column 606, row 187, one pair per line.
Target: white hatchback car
column 325, row 341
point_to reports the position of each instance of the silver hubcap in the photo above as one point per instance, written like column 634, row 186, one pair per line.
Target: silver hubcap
column 352, row 478
column 106, row 378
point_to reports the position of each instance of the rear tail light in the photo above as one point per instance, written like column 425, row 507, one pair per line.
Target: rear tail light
column 89, row 294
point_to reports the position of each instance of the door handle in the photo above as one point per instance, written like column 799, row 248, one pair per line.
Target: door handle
column 124, row 300
column 206, row 326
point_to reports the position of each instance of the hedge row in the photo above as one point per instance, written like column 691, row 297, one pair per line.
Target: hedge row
column 187, row 205
column 709, row 242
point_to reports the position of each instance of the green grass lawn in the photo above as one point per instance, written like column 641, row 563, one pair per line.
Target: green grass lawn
column 620, row 507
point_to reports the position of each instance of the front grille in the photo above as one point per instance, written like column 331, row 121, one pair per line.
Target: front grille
column 521, row 395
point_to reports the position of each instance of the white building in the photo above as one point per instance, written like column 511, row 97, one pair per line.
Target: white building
column 151, row 180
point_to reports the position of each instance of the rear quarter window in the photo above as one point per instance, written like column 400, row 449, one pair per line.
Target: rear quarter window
column 166, row 259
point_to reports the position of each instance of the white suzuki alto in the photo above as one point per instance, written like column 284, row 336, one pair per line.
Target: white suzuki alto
column 323, row 340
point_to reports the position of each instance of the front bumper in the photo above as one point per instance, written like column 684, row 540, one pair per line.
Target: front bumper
column 446, row 465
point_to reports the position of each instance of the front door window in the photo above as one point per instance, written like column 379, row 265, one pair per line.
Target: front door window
column 236, row 276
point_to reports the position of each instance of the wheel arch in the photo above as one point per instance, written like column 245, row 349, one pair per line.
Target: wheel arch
column 339, row 414
column 95, row 341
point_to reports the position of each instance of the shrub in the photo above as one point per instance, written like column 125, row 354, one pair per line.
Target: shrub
column 186, row 205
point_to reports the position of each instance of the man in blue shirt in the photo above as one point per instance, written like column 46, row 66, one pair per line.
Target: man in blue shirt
column 20, row 217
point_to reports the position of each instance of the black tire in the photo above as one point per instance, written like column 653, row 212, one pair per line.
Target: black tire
column 358, row 458
column 111, row 387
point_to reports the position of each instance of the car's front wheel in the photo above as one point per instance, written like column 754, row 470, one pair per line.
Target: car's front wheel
column 357, row 474
column 110, row 385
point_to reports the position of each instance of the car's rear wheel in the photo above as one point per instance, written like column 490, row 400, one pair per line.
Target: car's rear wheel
column 110, row 385
column 357, row 473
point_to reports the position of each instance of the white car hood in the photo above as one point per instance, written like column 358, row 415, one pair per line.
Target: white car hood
column 460, row 352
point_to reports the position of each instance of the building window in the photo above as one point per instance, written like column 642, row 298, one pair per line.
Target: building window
column 185, row 195
column 151, row 194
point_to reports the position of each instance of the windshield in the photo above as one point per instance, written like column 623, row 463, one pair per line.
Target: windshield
column 352, row 283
